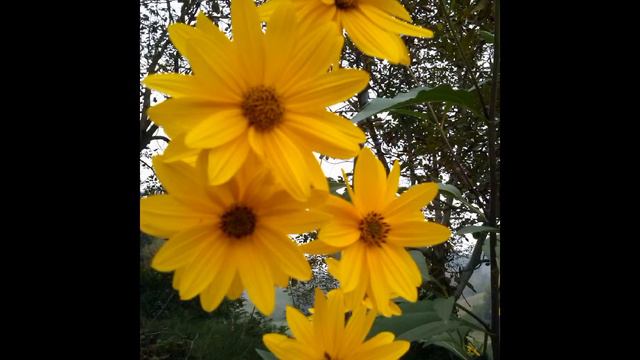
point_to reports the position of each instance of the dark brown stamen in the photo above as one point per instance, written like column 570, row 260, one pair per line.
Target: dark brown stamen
column 237, row 222
column 262, row 108
column 345, row 4
column 373, row 229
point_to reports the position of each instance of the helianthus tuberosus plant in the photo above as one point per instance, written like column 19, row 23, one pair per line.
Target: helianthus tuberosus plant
column 226, row 238
column 372, row 232
column 374, row 26
column 260, row 93
column 326, row 335
column 241, row 174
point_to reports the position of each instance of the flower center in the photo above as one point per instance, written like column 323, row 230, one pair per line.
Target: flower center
column 262, row 108
column 345, row 4
column 237, row 222
column 373, row 229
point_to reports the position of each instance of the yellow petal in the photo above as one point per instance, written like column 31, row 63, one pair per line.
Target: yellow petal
column 163, row 216
column 370, row 182
column 211, row 30
column 267, row 8
column 256, row 141
column 225, row 160
column 178, row 151
column 183, row 247
column 373, row 40
column 180, row 34
column 357, row 329
column 291, row 222
column 400, row 275
column 248, row 39
column 380, row 291
column 179, row 115
column 205, row 267
column 283, row 252
column 186, row 183
column 318, row 247
column 324, row 134
column 212, row 296
column 334, row 325
column 392, row 24
column 393, row 7
column 280, row 42
column 417, row 197
column 300, row 326
column 256, row 276
column 321, row 319
column 392, row 351
column 318, row 180
column 177, row 275
column 217, row 129
column 176, row 85
column 314, row 53
column 287, row 164
column 236, row 288
column 353, row 264
column 217, row 63
column 418, row 234
column 339, row 233
column 395, row 309
column 392, row 183
column 342, row 230
column 380, row 339
column 211, row 57
column 287, row 349
column 328, row 89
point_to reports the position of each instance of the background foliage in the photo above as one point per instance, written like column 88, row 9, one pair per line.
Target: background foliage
column 440, row 119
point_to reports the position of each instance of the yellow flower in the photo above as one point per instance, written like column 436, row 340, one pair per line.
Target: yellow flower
column 224, row 239
column 354, row 299
column 372, row 232
column 327, row 337
column 374, row 26
column 265, row 94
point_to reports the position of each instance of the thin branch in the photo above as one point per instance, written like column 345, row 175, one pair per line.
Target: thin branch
column 460, row 169
column 475, row 317
column 149, row 166
column 474, row 260
column 159, row 137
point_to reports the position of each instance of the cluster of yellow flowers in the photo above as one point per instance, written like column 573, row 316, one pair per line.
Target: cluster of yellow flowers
column 241, row 176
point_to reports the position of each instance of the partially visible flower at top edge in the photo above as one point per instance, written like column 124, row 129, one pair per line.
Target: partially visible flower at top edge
column 227, row 238
column 327, row 336
column 374, row 26
column 372, row 232
column 264, row 94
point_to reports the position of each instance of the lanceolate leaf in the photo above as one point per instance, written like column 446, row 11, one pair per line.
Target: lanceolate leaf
column 420, row 95
column 428, row 330
column 475, row 229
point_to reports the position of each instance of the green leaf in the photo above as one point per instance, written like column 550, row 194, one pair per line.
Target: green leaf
column 444, row 307
column 403, row 323
column 415, row 114
column 472, row 323
column 475, row 229
column 420, row 95
column 426, row 331
column 418, row 257
column 265, row 355
column 450, row 189
column 487, row 36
